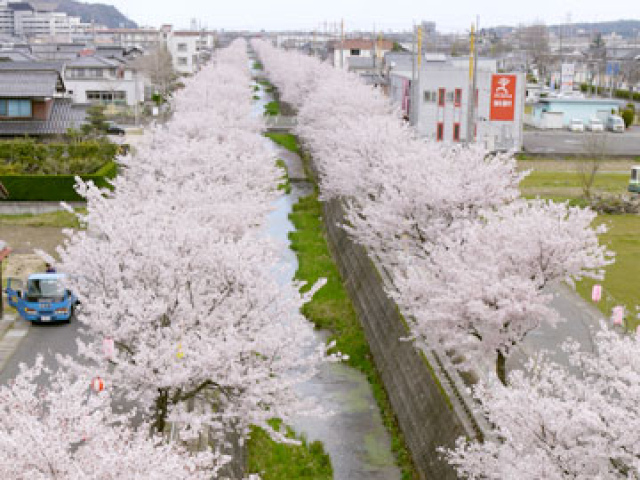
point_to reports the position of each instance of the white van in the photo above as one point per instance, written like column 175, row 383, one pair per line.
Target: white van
column 615, row 123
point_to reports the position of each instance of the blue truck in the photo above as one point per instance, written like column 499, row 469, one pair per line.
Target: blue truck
column 43, row 299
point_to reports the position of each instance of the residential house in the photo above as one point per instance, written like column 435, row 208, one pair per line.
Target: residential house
column 341, row 51
column 33, row 101
column 107, row 81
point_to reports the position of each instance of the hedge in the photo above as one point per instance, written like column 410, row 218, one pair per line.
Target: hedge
column 30, row 157
column 53, row 187
column 623, row 94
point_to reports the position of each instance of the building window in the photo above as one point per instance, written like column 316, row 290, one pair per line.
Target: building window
column 456, row 132
column 107, row 97
column 183, row 61
column 15, row 108
column 182, row 47
column 458, row 98
column 440, row 132
column 427, row 96
column 355, row 52
column 441, row 96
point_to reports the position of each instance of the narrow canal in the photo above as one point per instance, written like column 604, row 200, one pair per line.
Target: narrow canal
column 354, row 435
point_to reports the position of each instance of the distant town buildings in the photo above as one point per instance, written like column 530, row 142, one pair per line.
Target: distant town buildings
column 23, row 19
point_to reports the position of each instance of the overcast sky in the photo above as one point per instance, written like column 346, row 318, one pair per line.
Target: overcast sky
column 450, row 16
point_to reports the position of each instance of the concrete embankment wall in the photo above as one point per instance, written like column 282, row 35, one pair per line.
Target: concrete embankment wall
column 429, row 413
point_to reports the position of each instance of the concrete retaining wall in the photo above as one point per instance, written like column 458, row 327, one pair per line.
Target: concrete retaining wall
column 423, row 391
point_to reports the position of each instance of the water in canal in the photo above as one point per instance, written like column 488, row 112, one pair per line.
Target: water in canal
column 354, row 435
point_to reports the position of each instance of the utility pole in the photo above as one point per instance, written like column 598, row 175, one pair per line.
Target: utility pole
column 473, row 73
column 342, row 44
column 412, row 119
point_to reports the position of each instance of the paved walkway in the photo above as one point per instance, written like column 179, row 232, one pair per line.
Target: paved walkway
column 581, row 321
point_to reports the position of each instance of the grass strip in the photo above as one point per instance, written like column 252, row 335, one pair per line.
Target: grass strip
column 272, row 109
column 285, row 184
column 58, row 219
column 331, row 309
column 620, row 285
column 286, row 140
column 277, row 461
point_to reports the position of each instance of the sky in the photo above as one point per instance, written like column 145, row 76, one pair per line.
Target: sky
column 450, row 16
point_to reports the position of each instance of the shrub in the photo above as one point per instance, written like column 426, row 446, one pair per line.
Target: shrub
column 628, row 115
column 53, row 187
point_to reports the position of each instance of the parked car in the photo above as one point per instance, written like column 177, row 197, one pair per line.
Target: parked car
column 576, row 125
column 595, row 125
column 114, row 129
column 615, row 124
column 45, row 299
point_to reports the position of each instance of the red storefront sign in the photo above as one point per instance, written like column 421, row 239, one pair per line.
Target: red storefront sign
column 503, row 97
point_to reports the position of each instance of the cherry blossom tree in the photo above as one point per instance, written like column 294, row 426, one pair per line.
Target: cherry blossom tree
column 66, row 431
column 468, row 258
column 482, row 290
column 554, row 422
column 175, row 269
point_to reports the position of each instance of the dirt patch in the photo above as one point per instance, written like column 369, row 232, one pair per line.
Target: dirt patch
column 24, row 239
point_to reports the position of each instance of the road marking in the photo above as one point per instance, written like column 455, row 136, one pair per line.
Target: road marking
column 16, row 333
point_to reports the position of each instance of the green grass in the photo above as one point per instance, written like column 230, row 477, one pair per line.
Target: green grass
column 621, row 285
column 567, row 185
column 276, row 461
column 331, row 309
column 272, row 109
column 59, row 219
column 286, row 184
column 286, row 140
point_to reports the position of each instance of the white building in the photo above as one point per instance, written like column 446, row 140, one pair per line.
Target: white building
column 94, row 79
column 441, row 104
column 22, row 19
column 144, row 38
column 341, row 51
column 190, row 49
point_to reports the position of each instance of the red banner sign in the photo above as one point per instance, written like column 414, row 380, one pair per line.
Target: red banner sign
column 503, row 97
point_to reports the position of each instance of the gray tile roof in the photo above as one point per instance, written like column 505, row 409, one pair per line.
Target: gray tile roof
column 64, row 115
column 20, row 84
column 31, row 65
column 93, row 61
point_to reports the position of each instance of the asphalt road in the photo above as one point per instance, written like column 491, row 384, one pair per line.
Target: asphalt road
column 580, row 322
column 47, row 340
column 566, row 142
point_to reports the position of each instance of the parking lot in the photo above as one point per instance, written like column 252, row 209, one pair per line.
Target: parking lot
column 576, row 143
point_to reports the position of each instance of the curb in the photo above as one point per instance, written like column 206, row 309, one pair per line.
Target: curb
column 6, row 323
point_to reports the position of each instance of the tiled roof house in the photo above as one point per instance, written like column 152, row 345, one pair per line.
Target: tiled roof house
column 32, row 101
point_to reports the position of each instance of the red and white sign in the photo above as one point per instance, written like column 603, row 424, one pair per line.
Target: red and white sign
column 503, row 98
column 97, row 384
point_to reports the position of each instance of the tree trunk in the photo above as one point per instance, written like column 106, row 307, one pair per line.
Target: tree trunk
column 501, row 368
column 161, row 411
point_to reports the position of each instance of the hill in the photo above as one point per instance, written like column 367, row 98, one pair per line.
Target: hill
column 99, row 13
